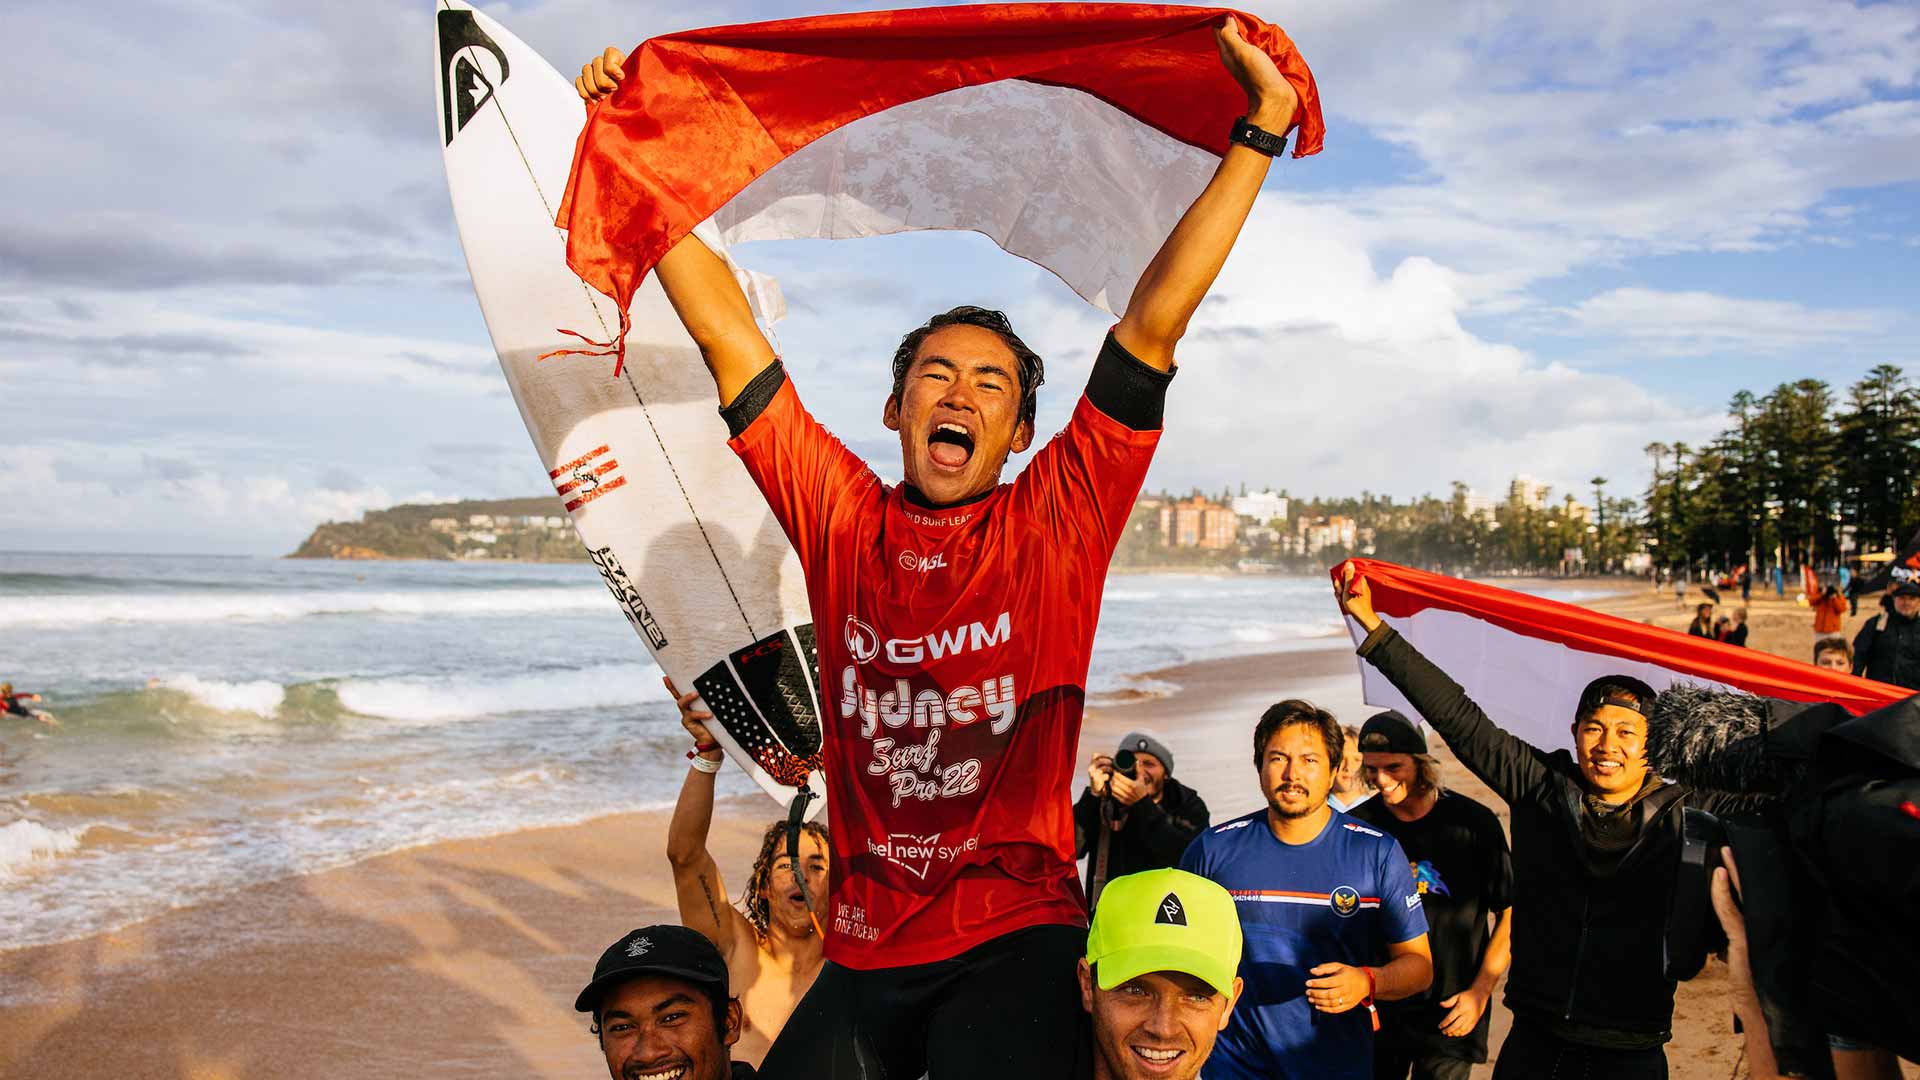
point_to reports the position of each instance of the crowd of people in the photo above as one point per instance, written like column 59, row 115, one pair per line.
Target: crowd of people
column 943, row 928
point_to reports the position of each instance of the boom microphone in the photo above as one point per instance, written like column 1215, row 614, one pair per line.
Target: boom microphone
column 1725, row 740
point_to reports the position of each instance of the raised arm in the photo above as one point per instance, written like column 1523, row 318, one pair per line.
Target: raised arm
column 696, row 877
column 1504, row 762
column 698, row 283
column 1177, row 279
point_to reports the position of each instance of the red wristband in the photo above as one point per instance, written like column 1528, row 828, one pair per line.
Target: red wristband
column 1368, row 1000
column 702, row 748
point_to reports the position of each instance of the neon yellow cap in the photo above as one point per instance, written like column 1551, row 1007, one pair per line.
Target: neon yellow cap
column 1165, row 920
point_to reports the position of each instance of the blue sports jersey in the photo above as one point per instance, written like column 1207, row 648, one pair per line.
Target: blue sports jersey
column 1340, row 898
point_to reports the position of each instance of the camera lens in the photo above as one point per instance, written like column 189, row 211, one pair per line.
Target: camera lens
column 1123, row 763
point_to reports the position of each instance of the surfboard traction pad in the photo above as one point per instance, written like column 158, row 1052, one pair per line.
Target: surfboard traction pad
column 761, row 695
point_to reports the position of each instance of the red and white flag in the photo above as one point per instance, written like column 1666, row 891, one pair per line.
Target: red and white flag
column 1073, row 135
column 1524, row 660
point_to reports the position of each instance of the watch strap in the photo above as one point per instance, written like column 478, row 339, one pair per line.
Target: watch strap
column 1257, row 138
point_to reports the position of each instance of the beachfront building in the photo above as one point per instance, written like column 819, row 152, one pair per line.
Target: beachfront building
column 1261, row 508
column 1199, row 522
column 1311, row 536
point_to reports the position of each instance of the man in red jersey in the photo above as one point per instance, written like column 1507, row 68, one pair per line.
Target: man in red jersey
column 956, row 618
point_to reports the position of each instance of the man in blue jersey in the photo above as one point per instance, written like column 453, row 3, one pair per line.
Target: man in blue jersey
column 1322, row 898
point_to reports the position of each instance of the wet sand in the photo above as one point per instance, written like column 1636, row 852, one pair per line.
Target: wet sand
column 462, row 958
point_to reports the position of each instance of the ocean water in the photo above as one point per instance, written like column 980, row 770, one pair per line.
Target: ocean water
column 228, row 721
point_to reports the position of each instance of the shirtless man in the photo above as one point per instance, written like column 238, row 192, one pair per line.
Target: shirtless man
column 773, row 951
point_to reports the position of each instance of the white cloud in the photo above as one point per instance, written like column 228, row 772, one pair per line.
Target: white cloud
column 1702, row 323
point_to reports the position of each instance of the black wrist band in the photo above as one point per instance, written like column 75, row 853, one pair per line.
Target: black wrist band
column 1257, row 138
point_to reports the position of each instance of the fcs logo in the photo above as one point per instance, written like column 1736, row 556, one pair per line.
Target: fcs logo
column 910, row 561
column 1346, row 901
column 471, row 67
column 863, row 641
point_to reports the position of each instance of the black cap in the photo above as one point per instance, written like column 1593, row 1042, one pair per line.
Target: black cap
column 1905, row 588
column 655, row 950
column 1391, row 733
column 1623, row 691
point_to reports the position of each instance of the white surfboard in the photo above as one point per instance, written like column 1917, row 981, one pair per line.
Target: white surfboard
column 668, row 514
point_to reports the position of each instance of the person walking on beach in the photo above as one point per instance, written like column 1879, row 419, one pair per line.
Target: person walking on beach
column 15, row 704
column 1465, row 876
column 1351, row 786
column 1321, row 898
column 662, row 1007
column 1702, row 625
column 956, row 618
column 1829, row 612
column 774, row 951
column 1133, row 815
column 1594, row 857
column 1888, row 646
column 1735, row 630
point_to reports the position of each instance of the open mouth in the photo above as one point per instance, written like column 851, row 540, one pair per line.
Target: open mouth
column 1155, row 1059
column 950, row 446
column 672, row 1072
column 1607, row 768
column 796, row 897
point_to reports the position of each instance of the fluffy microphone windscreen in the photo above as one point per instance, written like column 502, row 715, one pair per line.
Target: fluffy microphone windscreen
column 1714, row 739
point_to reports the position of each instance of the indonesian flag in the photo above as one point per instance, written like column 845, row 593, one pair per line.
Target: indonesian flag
column 1524, row 660
column 1072, row 135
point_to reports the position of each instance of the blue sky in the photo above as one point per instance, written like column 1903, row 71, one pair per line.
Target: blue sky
column 232, row 303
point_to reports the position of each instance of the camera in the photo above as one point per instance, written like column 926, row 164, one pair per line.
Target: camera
column 1126, row 764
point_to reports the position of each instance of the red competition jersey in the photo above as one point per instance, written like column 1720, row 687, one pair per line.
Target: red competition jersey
column 953, row 646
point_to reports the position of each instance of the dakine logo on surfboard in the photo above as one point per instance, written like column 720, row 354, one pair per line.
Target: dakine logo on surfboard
column 466, row 52
column 622, row 588
column 589, row 476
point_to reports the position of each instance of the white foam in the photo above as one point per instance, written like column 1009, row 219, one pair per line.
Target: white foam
column 261, row 697
column 94, row 608
column 21, row 842
column 462, row 696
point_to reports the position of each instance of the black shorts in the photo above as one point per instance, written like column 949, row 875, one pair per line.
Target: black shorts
column 1005, row 1009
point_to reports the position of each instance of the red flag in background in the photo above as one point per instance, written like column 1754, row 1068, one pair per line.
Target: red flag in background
column 1525, row 659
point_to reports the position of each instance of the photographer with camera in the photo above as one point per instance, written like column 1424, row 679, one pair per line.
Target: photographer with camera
column 1134, row 815
column 1596, row 855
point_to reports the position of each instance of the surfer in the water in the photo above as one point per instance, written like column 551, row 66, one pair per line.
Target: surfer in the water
column 15, row 704
column 955, row 620
column 773, row 950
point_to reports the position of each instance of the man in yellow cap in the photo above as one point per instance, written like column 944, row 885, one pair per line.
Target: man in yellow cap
column 1159, row 975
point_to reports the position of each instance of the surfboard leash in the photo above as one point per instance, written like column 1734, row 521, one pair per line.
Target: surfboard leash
column 796, row 817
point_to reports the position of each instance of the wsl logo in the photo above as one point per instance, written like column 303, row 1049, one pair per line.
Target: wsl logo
column 471, row 67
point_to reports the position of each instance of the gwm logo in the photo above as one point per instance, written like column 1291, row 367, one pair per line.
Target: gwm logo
column 864, row 642
column 471, row 66
column 910, row 561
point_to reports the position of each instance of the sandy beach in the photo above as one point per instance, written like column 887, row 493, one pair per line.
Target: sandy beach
column 462, row 958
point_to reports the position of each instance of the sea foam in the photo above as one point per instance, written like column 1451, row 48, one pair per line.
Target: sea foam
column 82, row 609
column 22, row 842
column 464, row 696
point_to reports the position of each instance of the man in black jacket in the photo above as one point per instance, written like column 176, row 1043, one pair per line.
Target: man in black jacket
column 1888, row 648
column 1596, row 846
column 1134, row 819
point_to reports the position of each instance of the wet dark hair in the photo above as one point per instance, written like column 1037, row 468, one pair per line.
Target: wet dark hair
column 1597, row 691
column 1032, row 369
column 1293, row 712
column 772, row 846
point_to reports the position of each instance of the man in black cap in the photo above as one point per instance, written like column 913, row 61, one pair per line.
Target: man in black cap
column 1888, row 648
column 661, row 1008
column 1465, row 878
column 1134, row 815
column 1596, row 853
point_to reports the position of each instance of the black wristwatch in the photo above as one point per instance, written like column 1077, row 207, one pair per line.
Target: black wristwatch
column 1257, row 138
